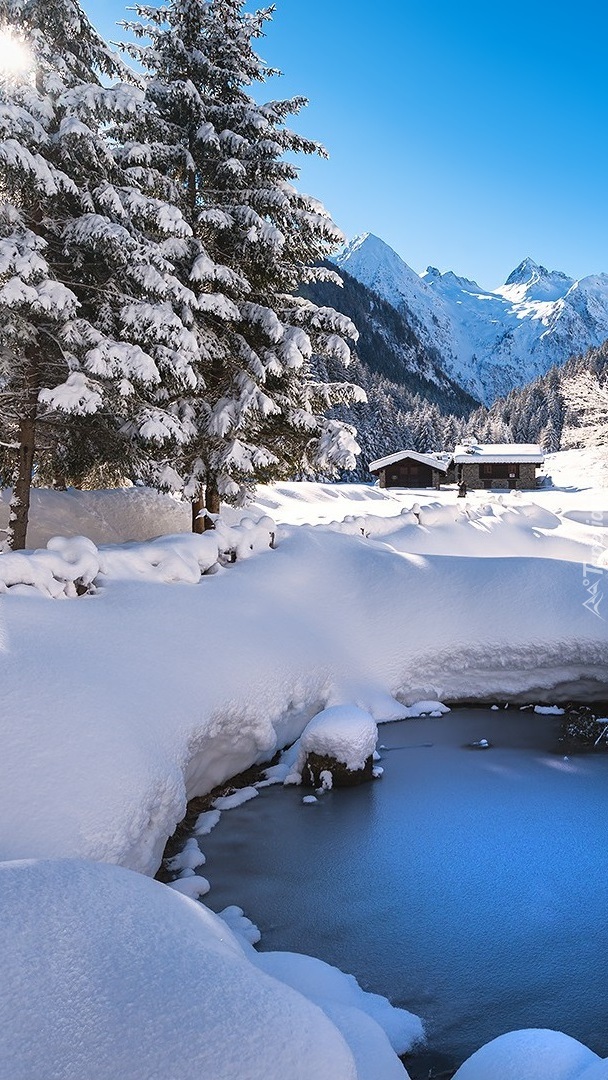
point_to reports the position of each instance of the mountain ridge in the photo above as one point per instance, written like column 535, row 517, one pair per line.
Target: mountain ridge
column 489, row 341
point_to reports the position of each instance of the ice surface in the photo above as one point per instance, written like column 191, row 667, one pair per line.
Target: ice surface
column 450, row 885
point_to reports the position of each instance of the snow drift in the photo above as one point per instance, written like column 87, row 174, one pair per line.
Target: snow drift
column 176, row 670
column 112, row 974
column 119, row 706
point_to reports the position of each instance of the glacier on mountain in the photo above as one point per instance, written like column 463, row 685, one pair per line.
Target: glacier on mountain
column 489, row 340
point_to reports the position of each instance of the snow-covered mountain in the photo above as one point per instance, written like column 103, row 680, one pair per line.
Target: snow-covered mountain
column 489, row 341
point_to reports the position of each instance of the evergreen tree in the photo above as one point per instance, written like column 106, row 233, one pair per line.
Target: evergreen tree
column 427, row 436
column 451, row 432
column 90, row 310
column 549, row 439
column 259, row 407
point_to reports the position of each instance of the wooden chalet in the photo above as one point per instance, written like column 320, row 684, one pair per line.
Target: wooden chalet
column 408, row 469
column 498, row 465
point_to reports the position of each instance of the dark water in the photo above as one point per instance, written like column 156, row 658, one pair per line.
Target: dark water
column 470, row 887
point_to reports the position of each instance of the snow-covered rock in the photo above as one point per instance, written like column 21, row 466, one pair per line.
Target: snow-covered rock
column 534, row 1054
column 339, row 741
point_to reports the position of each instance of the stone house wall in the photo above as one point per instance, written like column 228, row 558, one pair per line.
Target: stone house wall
column 474, row 482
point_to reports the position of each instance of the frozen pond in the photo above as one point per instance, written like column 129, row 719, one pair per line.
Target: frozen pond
column 471, row 887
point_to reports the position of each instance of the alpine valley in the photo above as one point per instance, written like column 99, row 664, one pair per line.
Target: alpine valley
column 487, row 341
column 441, row 359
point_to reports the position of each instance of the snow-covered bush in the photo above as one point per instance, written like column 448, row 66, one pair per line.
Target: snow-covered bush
column 71, row 566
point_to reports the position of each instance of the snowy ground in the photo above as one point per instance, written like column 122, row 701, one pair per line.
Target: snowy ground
column 179, row 669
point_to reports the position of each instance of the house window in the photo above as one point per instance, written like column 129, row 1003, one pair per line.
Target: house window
column 499, row 470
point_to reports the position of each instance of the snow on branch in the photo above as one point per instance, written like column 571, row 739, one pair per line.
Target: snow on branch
column 76, row 395
column 46, row 178
column 264, row 318
column 123, row 99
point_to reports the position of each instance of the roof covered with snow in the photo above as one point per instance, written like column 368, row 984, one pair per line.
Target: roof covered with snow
column 498, row 452
column 434, row 460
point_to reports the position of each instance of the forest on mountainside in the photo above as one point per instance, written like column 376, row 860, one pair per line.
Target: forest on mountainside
column 412, row 403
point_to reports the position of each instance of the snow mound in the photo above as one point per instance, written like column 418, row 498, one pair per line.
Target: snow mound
column 71, row 565
column 597, row 1071
column 112, row 974
column 344, row 732
column 323, row 983
column 241, row 926
column 533, row 1054
column 56, row 572
column 260, row 647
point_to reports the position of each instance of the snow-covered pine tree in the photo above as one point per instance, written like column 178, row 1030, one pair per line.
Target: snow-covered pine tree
column 259, row 407
column 427, row 423
column 91, row 315
column 451, row 432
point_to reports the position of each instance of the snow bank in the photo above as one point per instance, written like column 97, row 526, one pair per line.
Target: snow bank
column 56, row 572
column 119, row 706
column 323, row 983
column 374, row 1030
column 343, row 732
column 112, row 974
column 105, row 517
column 489, row 526
column 535, row 1054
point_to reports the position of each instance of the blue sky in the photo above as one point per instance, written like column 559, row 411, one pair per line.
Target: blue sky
column 467, row 135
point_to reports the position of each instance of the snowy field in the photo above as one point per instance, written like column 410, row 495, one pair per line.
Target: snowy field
column 178, row 668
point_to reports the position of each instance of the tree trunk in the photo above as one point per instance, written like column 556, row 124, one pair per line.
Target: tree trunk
column 198, row 504
column 20, row 501
column 212, row 503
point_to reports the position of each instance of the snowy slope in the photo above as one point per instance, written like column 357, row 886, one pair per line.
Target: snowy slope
column 113, row 975
column 488, row 340
column 585, row 395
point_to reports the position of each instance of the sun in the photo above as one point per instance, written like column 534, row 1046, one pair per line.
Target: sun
column 15, row 57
